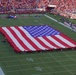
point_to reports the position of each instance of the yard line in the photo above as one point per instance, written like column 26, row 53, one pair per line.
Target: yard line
column 61, row 65
column 33, row 69
column 26, row 55
column 25, row 59
column 69, row 56
column 32, row 56
column 50, row 72
column 35, row 64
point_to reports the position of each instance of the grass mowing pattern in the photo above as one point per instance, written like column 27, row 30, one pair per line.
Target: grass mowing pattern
column 46, row 63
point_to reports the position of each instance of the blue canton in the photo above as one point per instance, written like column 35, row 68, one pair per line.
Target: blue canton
column 39, row 31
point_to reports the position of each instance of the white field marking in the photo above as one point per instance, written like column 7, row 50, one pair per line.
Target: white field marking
column 59, row 22
column 1, row 71
column 30, row 59
column 38, row 68
column 51, row 73
column 34, row 58
column 31, row 54
column 38, row 64
column 69, row 57
column 62, row 65
column 33, row 69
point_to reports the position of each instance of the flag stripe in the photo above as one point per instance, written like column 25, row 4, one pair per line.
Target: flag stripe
column 10, row 41
column 25, row 42
column 32, row 39
column 27, row 38
column 36, row 38
column 58, row 43
column 65, row 40
column 61, row 41
column 13, row 39
column 43, row 43
column 18, row 39
column 51, row 42
column 47, row 43
column 69, row 39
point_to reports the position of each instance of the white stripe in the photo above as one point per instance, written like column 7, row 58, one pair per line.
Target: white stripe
column 55, row 41
column 13, row 39
column 47, row 43
column 1, row 71
column 23, row 39
column 32, row 39
column 65, row 41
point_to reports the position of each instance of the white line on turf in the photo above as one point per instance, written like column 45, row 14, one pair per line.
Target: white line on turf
column 69, row 57
column 62, row 65
column 1, row 71
column 24, row 60
column 24, row 55
column 51, row 73
column 38, row 64
column 33, row 70
column 59, row 22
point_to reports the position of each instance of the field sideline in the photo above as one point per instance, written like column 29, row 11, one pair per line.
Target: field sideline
column 44, row 63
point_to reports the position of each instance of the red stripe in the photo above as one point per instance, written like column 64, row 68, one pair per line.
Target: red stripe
column 42, row 43
column 32, row 43
column 18, row 39
column 52, row 43
column 10, row 41
column 24, row 35
column 61, row 42
column 69, row 39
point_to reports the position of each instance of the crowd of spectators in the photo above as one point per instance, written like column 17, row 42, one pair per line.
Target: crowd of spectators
column 65, row 7
column 8, row 5
column 20, row 5
column 62, row 5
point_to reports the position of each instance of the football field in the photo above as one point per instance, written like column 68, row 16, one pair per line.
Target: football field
column 37, row 63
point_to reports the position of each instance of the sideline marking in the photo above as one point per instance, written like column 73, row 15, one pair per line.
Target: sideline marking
column 1, row 71
column 59, row 22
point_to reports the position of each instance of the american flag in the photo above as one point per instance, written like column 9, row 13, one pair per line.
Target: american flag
column 36, row 38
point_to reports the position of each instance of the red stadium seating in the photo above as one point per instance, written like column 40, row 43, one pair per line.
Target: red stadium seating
column 62, row 5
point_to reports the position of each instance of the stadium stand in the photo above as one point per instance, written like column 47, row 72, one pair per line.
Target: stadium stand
column 65, row 8
column 68, row 6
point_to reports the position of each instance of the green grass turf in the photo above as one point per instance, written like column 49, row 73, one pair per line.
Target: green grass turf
column 46, row 63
